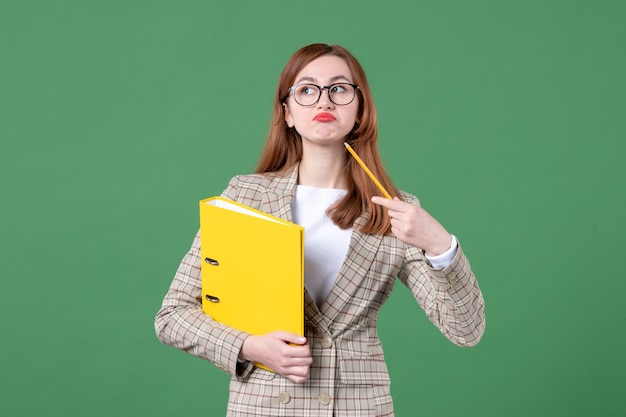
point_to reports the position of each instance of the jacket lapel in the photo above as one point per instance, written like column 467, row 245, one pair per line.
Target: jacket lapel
column 361, row 253
column 280, row 194
column 277, row 202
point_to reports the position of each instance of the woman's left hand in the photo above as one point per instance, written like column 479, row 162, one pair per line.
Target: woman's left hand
column 414, row 226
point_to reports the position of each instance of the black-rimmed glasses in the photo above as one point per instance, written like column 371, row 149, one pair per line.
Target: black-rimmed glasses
column 340, row 94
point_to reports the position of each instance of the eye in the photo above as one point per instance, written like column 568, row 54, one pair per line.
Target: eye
column 307, row 89
column 339, row 88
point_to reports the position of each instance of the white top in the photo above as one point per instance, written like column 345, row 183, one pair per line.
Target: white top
column 326, row 245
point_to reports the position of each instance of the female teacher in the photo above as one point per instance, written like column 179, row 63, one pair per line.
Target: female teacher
column 356, row 244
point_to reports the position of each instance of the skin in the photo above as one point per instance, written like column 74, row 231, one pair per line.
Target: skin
column 415, row 226
column 322, row 166
column 322, row 142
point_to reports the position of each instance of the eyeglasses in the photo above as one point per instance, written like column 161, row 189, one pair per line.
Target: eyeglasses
column 340, row 94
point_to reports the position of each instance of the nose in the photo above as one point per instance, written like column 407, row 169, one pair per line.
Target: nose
column 325, row 101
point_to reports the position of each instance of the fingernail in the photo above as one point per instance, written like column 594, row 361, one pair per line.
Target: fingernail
column 301, row 339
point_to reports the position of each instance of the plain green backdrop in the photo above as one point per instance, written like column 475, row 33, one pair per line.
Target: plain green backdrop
column 506, row 118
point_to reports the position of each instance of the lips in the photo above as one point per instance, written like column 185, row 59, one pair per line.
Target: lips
column 324, row 117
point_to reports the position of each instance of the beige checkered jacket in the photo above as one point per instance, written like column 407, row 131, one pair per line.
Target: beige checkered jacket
column 348, row 376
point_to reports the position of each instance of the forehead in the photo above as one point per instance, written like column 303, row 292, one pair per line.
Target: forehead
column 325, row 69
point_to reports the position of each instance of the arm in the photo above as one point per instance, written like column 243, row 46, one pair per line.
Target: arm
column 450, row 296
column 181, row 323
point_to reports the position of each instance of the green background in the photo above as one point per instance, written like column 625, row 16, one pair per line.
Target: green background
column 506, row 118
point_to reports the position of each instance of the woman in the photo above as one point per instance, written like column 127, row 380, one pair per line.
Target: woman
column 356, row 244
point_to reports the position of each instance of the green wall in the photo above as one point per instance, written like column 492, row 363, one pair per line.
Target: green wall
column 505, row 117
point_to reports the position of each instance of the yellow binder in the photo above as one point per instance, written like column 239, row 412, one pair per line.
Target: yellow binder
column 252, row 268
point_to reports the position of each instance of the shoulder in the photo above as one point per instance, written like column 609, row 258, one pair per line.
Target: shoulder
column 250, row 187
column 251, row 180
column 241, row 185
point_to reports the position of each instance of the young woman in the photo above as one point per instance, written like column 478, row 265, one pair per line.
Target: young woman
column 356, row 244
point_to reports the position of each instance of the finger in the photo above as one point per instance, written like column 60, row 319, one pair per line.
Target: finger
column 288, row 337
column 395, row 214
column 385, row 202
column 299, row 370
column 399, row 224
column 297, row 357
column 396, row 204
column 299, row 360
column 298, row 378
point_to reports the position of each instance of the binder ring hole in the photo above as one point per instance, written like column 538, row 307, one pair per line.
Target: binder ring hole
column 212, row 299
column 211, row 261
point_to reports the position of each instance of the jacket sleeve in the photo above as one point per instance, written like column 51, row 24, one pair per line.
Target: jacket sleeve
column 450, row 297
column 181, row 323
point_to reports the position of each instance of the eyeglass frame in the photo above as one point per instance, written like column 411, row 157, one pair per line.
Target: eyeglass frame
column 321, row 89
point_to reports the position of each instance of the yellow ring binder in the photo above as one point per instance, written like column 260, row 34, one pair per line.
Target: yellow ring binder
column 253, row 269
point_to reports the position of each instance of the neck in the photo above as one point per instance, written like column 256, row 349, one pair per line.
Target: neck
column 323, row 167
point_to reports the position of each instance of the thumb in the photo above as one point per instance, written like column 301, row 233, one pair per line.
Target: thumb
column 289, row 337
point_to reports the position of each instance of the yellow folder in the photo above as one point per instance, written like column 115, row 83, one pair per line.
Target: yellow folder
column 252, row 268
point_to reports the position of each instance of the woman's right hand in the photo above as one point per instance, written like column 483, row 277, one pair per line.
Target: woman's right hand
column 286, row 353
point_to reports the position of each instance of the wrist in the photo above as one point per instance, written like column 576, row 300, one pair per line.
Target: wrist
column 244, row 352
column 440, row 246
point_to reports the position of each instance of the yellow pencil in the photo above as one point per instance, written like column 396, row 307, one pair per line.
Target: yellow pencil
column 367, row 171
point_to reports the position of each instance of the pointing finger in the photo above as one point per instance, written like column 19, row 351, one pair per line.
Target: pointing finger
column 385, row 202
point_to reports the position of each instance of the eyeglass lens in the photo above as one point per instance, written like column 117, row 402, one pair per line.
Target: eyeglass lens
column 309, row 94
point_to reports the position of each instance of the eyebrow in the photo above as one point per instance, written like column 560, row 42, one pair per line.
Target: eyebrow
column 332, row 80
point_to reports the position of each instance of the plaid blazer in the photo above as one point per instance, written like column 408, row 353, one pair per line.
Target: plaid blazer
column 348, row 376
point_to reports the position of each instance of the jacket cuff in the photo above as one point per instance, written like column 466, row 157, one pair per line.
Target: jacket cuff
column 454, row 275
column 228, row 348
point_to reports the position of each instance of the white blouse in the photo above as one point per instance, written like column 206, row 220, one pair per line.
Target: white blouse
column 326, row 245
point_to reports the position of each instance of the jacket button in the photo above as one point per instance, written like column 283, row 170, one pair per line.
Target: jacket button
column 454, row 280
column 284, row 397
column 327, row 342
column 324, row 398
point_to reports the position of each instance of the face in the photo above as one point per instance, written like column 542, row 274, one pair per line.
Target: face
column 325, row 122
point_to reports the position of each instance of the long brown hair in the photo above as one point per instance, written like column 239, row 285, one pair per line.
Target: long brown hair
column 283, row 148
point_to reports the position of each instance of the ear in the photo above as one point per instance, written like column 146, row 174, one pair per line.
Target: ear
column 288, row 118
